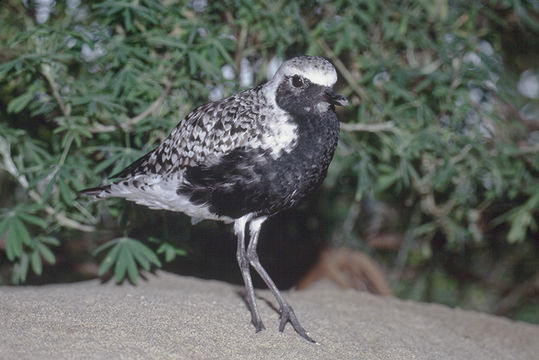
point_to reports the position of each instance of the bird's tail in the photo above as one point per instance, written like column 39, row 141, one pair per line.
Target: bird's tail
column 98, row 192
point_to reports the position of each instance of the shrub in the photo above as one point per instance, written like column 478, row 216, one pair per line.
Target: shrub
column 435, row 151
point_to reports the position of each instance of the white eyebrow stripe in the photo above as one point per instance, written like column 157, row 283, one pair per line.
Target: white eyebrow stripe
column 320, row 77
column 316, row 76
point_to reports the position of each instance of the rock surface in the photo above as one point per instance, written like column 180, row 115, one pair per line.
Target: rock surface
column 173, row 317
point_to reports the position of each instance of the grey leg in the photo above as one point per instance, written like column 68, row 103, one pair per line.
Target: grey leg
column 243, row 262
column 287, row 313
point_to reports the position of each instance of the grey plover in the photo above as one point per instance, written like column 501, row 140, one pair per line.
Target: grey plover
column 243, row 159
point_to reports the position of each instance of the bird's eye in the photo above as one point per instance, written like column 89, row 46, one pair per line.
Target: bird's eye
column 297, row 81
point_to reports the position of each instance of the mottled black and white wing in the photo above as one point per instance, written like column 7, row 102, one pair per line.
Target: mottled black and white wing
column 204, row 136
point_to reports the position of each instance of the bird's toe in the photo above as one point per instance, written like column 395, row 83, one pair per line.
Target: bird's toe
column 259, row 326
column 288, row 315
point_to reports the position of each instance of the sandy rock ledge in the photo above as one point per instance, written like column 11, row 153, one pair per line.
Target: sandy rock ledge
column 173, row 317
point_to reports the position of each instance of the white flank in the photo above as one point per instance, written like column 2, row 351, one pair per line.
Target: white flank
column 157, row 192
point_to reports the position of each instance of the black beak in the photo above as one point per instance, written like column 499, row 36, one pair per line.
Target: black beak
column 333, row 98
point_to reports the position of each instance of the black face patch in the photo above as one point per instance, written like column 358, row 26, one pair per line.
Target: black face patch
column 299, row 101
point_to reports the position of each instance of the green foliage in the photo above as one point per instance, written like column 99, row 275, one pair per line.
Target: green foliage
column 434, row 147
column 22, row 249
column 125, row 254
column 169, row 250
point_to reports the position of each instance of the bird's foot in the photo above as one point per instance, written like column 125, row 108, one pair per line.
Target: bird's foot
column 287, row 315
column 259, row 326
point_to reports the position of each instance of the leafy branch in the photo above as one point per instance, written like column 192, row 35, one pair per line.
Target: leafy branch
column 60, row 217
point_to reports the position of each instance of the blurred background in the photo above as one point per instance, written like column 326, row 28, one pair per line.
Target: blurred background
column 433, row 194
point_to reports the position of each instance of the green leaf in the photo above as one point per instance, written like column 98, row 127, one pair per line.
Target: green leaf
column 143, row 261
column 49, row 240
column 6, row 67
column 170, row 254
column 110, row 258
column 423, row 229
column 385, row 181
column 19, row 103
column 120, row 268
column 13, row 243
column 125, row 255
column 146, row 252
column 49, row 187
column 132, row 270
column 519, row 226
column 21, row 270
column 47, row 254
column 170, row 251
column 33, row 220
column 108, row 162
column 105, row 246
column 65, row 192
column 35, row 261
column 20, row 231
column 4, row 225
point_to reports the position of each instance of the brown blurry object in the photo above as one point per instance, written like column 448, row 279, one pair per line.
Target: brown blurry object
column 87, row 269
column 384, row 241
column 350, row 269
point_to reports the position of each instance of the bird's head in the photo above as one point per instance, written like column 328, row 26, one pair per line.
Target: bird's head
column 304, row 85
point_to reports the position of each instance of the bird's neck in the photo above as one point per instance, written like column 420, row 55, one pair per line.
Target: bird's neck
column 318, row 135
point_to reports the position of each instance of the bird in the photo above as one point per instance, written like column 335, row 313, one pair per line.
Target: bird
column 243, row 159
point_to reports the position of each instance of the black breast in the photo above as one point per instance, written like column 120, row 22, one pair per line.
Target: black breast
column 249, row 180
